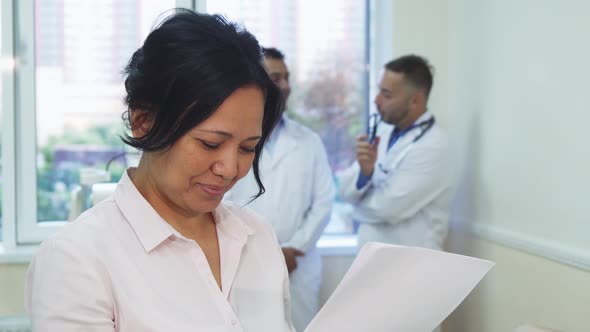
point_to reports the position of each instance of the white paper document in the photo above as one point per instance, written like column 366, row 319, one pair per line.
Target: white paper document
column 391, row 288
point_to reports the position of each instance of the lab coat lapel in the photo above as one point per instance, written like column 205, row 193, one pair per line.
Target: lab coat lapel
column 399, row 150
column 286, row 144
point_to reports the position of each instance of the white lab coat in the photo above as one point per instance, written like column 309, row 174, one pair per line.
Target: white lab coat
column 407, row 200
column 297, row 202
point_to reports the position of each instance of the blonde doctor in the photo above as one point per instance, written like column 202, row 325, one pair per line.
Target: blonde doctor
column 400, row 183
column 298, row 199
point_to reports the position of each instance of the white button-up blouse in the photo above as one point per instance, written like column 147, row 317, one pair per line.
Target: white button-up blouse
column 121, row 267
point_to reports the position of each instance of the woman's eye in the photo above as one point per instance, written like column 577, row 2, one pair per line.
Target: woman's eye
column 248, row 150
column 209, row 146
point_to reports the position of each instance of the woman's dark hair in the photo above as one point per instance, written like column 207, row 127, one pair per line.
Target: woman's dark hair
column 186, row 68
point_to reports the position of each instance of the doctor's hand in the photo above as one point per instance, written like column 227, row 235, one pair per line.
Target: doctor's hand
column 290, row 254
column 366, row 154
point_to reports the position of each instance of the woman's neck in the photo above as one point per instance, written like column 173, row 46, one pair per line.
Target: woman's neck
column 190, row 225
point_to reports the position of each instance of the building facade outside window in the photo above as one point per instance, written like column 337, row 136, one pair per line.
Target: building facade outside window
column 325, row 44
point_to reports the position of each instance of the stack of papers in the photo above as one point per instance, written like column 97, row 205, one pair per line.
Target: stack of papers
column 399, row 289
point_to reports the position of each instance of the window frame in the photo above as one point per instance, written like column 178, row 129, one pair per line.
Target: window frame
column 19, row 174
column 28, row 230
column 8, row 133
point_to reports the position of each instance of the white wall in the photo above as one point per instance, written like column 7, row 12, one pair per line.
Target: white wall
column 334, row 268
column 534, row 156
column 518, row 74
column 420, row 27
column 12, row 281
column 522, row 288
column 524, row 135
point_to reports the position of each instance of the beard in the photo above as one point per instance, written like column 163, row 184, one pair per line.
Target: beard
column 394, row 116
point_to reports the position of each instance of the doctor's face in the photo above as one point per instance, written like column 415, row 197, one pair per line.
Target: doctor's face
column 195, row 173
column 279, row 74
column 394, row 98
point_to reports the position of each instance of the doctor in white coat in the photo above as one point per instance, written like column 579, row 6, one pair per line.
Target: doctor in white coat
column 298, row 200
column 400, row 184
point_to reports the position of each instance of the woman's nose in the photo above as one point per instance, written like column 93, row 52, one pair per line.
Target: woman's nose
column 227, row 165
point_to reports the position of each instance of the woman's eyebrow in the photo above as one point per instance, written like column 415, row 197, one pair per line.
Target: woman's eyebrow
column 228, row 135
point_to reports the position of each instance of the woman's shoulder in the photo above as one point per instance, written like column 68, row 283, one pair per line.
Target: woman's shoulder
column 90, row 228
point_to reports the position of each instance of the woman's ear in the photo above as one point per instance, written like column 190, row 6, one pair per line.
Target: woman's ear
column 140, row 122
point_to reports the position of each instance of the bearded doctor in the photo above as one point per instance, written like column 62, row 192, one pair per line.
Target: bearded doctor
column 298, row 199
column 400, row 184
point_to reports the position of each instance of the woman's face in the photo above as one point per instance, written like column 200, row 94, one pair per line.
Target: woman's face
column 195, row 173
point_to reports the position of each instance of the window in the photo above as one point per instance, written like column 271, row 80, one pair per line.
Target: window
column 71, row 98
column 61, row 89
column 6, row 124
column 3, row 65
column 325, row 44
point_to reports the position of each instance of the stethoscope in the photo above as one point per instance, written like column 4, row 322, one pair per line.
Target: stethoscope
column 424, row 127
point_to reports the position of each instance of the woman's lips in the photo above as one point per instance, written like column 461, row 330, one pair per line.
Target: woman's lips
column 212, row 190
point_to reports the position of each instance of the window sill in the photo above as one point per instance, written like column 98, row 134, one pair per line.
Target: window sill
column 18, row 255
column 337, row 245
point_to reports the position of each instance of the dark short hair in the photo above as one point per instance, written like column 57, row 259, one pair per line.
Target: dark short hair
column 273, row 53
column 188, row 65
column 417, row 71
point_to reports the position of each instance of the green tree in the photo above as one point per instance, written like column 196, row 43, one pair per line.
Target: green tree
column 54, row 185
